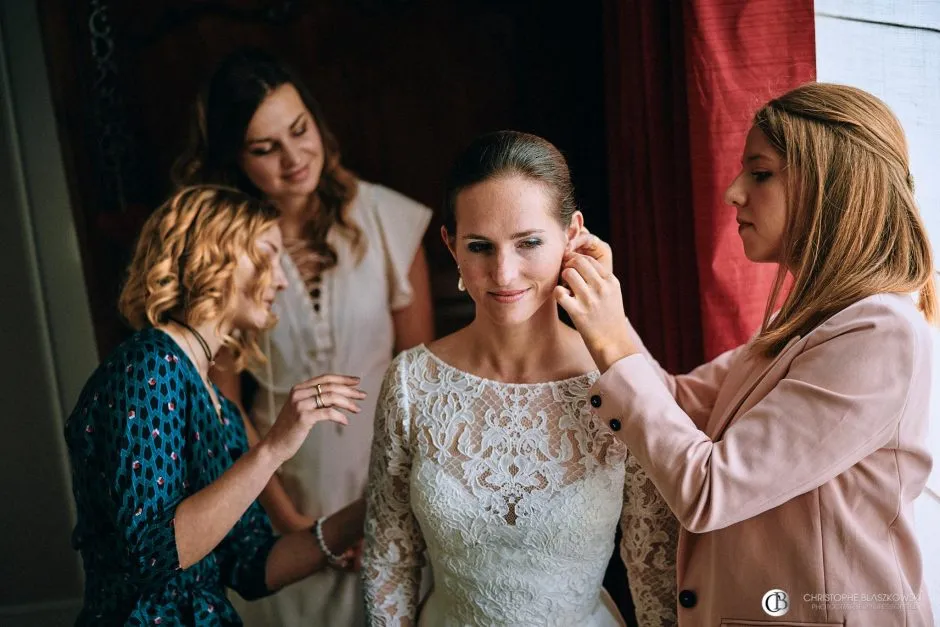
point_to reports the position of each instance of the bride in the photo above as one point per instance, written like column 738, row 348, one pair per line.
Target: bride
column 486, row 454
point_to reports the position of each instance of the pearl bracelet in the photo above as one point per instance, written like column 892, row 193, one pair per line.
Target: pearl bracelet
column 318, row 532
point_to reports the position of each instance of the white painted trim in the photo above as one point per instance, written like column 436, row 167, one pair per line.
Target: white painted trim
column 62, row 338
column 44, row 202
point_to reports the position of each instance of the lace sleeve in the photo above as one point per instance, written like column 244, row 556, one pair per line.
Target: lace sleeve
column 394, row 546
column 648, row 548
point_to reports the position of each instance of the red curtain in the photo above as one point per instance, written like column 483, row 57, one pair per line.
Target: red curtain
column 683, row 80
column 651, row 226
column 738, row 55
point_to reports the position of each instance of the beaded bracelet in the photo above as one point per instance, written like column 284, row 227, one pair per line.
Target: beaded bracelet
column 318, row 532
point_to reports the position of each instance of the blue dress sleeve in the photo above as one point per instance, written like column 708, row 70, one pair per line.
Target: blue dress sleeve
column 134, row 438
column 243, row 554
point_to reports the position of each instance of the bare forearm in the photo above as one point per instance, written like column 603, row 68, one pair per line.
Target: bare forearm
column 274, row 499
column 280, row 508
column 203, row 519
column 298, row 555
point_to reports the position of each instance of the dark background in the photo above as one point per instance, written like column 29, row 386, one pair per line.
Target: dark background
column 404, row 84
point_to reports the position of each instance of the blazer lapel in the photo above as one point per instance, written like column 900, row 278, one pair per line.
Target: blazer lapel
column 716, row 429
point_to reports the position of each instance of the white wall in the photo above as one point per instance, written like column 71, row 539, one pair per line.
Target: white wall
column 892, row 49
column 46, row 337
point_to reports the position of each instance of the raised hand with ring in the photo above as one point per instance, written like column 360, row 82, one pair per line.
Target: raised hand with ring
column 322, row 398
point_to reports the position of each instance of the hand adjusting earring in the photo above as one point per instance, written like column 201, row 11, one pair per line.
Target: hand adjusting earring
column 460, row 284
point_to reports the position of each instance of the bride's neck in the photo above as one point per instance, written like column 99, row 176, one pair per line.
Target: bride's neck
column 523, row 352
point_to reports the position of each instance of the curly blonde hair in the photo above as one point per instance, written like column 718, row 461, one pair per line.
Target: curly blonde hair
column 185, row 260
column 853, row 226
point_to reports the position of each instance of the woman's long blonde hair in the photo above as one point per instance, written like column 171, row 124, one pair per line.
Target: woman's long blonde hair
column 185, row 260
column 852, row 228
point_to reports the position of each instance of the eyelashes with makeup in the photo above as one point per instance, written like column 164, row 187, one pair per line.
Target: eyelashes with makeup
column 760, row 177
column 486, row 247
column 260, row 152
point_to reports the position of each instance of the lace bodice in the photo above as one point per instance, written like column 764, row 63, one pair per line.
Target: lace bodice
column 513, row 489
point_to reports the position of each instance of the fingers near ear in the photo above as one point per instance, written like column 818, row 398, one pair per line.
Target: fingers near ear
column 586, row 270
column 598, row 267
column 576, row 282
column 564, row 298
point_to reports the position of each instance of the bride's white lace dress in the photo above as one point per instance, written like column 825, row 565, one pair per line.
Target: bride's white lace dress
column 515, row 490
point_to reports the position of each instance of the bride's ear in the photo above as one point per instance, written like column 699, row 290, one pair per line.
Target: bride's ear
column 575, row 225
column 449, row 241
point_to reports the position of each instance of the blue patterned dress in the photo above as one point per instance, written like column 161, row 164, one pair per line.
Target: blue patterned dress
column 143, row 437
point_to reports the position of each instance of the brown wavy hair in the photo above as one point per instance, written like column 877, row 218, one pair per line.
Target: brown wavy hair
column 184, row 263
column 852, row 227
column 221, row 117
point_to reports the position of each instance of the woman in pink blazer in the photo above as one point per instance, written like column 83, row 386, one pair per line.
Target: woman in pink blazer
column 793, row 462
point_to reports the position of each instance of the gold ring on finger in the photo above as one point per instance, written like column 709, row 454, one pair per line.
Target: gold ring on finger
column 318, row 401
column 319, row 391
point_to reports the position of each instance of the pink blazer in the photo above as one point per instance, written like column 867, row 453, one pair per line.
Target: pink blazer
column 795, row 474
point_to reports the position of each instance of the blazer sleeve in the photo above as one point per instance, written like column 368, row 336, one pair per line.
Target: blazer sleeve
column 841, row 399
column 695, row 392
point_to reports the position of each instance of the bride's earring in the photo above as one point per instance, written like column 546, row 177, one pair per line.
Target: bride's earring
column 460, row 285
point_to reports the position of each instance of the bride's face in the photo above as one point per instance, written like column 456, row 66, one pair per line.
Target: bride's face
column 509, row 246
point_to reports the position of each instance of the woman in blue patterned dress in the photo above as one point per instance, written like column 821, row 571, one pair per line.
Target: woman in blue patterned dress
column 163, row 478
